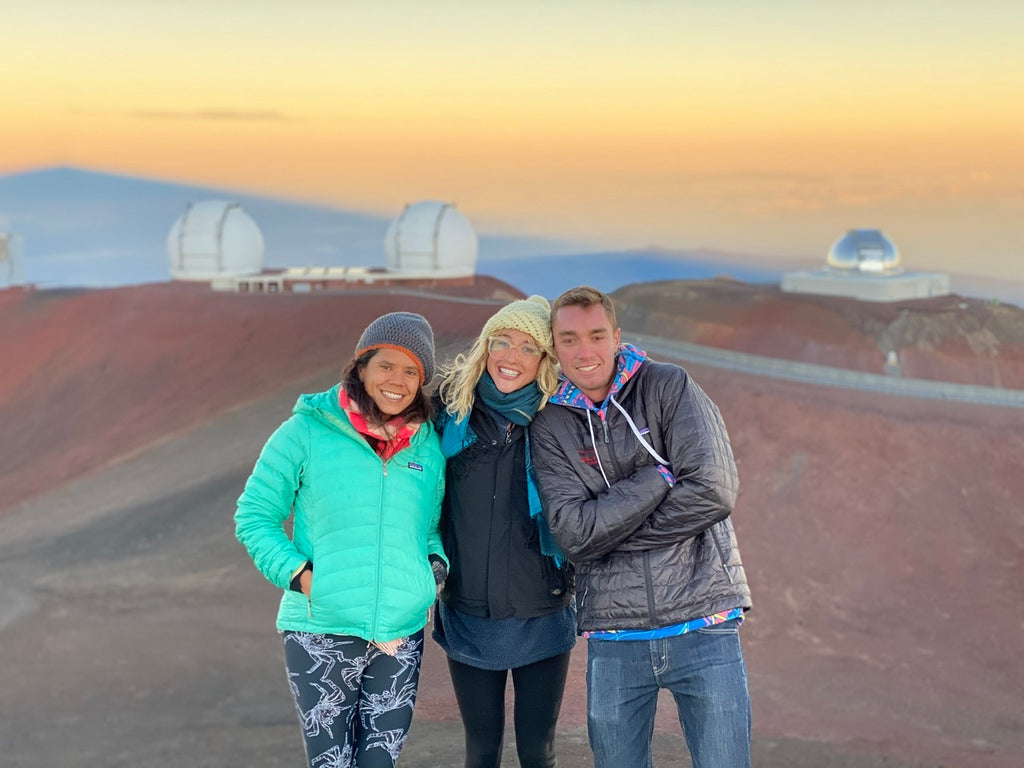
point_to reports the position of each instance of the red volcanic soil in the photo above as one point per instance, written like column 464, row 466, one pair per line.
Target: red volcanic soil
column 883, row 537
column 947, row 338
column 88, row 376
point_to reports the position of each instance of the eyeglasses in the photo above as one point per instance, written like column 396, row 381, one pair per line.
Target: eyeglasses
column 499, row 348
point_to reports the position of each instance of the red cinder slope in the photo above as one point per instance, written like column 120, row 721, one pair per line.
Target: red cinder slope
column 88, row 376
column 884, row 544
column 949, row 338
column 882, row 536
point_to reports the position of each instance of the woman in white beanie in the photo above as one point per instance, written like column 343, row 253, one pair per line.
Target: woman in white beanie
column 506, row 606
column 360, row 470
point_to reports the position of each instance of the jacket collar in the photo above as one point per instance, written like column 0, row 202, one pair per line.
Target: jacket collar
column 326, row 408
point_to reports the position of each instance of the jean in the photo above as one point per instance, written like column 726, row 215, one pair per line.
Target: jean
column 705, row 672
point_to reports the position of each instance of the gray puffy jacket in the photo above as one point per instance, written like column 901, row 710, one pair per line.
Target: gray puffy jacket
column 647, row 554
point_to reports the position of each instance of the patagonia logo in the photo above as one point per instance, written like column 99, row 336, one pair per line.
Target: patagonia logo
column 414, row 465
column 589, row 457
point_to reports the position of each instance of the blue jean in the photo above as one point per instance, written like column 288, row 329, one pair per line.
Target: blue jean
column 705, row 672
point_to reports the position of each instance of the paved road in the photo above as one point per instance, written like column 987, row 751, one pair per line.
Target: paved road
column 795, row 371
column 778, row 368
column 825, row 375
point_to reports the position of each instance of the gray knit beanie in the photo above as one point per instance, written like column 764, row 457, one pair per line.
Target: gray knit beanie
column 406, row 332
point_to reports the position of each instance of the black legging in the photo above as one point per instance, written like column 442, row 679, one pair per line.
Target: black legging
column 538, row 697
column 354, row 702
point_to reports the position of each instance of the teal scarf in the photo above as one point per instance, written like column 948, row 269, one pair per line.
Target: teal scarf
column 519, row 407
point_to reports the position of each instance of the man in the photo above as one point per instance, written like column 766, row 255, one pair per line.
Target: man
column 638, row 482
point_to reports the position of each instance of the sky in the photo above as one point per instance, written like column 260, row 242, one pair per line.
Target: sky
column 766, row 127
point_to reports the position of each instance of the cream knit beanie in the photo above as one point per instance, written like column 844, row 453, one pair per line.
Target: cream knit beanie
column 532, row 316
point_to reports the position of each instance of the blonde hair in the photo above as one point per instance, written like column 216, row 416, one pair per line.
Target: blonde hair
column 458, row 385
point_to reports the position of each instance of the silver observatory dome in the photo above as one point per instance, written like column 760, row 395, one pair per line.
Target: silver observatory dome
column 864, row 250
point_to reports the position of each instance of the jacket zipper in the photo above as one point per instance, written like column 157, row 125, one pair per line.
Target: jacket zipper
column 380, row 536
column 507, row 564
column 337, row 423
column 648, row 583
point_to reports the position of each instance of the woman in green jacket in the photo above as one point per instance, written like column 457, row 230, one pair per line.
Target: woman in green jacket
column 359, row 470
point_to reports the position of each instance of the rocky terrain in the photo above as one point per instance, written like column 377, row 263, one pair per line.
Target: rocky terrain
column 947, row 338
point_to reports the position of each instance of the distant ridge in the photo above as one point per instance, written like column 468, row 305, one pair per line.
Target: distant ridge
column 86, row 228
column 950, row 339
column 95, row 229
column 611, row 270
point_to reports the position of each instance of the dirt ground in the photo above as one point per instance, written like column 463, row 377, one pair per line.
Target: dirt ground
column 882, row 538
column 136, row 632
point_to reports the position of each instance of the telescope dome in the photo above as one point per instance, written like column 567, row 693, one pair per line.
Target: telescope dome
column 864, row 250
column 212, row 239
column 431, row 238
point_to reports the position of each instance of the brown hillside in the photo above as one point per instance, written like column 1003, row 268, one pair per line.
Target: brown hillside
column 88, row 376
column 884, row 541
column 882, row 536
column 949, row 338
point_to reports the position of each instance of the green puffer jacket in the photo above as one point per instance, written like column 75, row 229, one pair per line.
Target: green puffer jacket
column 368, row 527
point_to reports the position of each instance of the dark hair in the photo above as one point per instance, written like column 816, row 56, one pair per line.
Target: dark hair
column 420, row 409
column 585, row 296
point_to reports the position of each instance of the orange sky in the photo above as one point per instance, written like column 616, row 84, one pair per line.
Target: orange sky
column 764, row 127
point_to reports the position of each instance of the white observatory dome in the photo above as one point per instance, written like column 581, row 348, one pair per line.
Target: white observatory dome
column 212, row 239
column 433, row 238
column 864, row 250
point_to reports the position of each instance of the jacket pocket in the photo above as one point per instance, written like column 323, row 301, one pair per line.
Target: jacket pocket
column 557, row 579
column 724, row 549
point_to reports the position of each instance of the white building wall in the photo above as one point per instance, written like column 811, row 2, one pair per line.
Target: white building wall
column 908, row 285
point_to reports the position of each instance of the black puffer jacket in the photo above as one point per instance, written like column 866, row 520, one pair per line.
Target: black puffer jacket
column 496, row 567
column 647, row 555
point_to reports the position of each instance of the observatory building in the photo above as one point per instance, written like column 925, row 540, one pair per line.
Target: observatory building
column 10, row 260
column 429, row 242
column 865, row 264
column 431, row 239
column 214, row 241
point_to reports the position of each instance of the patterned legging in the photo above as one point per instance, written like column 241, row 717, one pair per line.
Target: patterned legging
column 354, row 701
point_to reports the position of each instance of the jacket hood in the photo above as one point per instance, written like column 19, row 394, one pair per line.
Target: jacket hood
column 628, row 360
column 324, row 405
column 326, row 408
